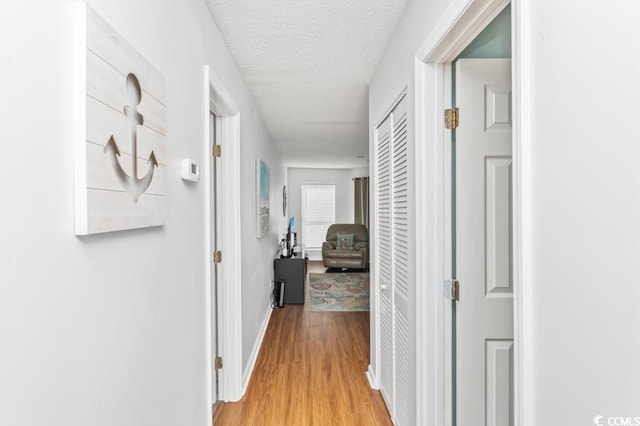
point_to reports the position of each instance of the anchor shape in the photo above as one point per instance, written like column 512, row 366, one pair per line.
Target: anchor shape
column 132, row 184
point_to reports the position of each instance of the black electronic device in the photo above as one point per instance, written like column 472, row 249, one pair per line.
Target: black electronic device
column 291, row 235
column 277, row 297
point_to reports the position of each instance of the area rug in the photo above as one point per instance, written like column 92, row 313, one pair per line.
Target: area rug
column 344, row 291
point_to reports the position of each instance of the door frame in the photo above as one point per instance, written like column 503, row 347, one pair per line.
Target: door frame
column 218, row 101
column 458, row 26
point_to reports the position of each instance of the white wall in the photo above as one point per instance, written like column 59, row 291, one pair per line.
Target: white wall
column 359, row 172
column 585, row 210
column 341, row 178
column 583, row 242
column 110, row 329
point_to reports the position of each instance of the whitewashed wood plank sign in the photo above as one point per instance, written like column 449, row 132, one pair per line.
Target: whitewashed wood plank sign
column 120, row 153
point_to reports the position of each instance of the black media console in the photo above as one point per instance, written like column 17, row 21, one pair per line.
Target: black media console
column 292, row 271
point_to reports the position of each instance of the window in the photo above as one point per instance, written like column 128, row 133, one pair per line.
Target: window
column 318, row 212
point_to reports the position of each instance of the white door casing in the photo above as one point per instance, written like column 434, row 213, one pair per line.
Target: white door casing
column 484, row 238
column 458, row 26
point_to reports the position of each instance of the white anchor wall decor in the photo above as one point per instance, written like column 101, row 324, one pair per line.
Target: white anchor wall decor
column 134, row 186
column 120, row 162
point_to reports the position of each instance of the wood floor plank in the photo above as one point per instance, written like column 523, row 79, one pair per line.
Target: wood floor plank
column 310, row 371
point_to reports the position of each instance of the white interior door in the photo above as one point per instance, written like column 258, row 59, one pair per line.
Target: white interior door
column 484, row 313
column 384, row 262
column 392, row 262
column 216, row 244
column 400, row 259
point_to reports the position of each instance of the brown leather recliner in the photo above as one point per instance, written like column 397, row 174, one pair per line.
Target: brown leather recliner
column 354, row 257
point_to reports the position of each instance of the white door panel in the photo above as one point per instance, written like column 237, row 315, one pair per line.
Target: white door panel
column 400, row 255
column 499, row 382
column 384, row 263
column 483, row 243
column 498, row 226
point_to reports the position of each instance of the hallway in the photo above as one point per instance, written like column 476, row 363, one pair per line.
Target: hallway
column 310, row 371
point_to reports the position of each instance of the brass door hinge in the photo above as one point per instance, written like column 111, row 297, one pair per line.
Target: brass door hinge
column 218, row 363
column 452, row 290
column 452, row 118
column 217, row 256
column 217, row 151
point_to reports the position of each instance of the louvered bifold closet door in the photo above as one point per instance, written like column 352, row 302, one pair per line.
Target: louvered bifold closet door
column 400, row 259
column 392, row 262
column 384, row 262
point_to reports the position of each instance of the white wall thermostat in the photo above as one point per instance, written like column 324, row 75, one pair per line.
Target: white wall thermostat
column 189, row 170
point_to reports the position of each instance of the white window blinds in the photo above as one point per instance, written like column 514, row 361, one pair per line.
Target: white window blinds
column 318, row 212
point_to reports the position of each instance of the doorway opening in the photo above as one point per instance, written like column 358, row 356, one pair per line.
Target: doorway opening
column 436, row 206
column 481, row 338
column 216, row 247
column 221, row 127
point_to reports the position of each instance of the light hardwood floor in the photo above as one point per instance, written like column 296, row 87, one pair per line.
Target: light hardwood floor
column 310, row 371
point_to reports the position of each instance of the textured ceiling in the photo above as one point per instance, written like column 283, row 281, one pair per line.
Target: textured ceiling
column 308, row 64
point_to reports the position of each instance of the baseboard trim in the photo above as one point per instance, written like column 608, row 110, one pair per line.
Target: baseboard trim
column 373, row 379
column 246, row 376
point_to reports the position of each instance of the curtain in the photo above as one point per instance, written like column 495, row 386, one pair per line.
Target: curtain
column 361, row 202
